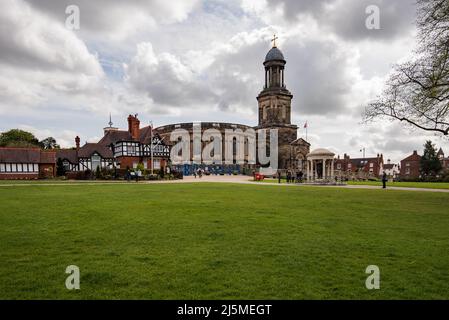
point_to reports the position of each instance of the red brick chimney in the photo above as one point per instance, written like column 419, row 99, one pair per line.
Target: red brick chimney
column 77, row 142
column 133, row 126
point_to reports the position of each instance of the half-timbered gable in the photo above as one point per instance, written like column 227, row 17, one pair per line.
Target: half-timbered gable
column 119, row 149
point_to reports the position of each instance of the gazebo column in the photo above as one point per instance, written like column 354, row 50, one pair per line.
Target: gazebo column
column 307, row 169
column 324, row 169
column 312, row 172
column 332, row 169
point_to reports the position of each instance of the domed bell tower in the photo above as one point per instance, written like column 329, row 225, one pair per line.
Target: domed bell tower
column 275, row 103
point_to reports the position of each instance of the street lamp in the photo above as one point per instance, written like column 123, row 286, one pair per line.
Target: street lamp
column 363, row 150
column 151, row 147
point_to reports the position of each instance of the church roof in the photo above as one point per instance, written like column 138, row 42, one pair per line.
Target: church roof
column 274, row 54
column 299, row 141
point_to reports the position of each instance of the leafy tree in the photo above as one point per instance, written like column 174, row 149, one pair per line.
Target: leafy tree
column 18, row 138
column 430, row 164
column 140, row 167
column 417, row 93
column 49, row 143
column 60, row 170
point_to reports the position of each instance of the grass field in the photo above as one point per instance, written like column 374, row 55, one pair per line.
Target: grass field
column 425, row 185
column 222, row 241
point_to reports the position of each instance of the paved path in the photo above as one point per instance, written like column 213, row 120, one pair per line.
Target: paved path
column 218, row 179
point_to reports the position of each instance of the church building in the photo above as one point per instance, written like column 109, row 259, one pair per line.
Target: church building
column 128, row 148
column 274, row 112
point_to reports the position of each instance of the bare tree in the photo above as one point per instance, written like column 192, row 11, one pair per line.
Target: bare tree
column 417, row 92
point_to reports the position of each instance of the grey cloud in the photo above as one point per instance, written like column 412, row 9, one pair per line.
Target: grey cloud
column 112, row 15
column 33, row 41
column 317, row 77
column 293, row 8
column 346, row 18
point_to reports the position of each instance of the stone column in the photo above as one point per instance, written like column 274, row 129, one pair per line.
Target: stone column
column 314, row 169
column 324, row 169
column 266, row 84
column 332, row 169
column 283, row 84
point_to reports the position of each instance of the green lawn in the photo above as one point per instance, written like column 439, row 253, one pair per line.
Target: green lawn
column 222, row 241
column 427, row 185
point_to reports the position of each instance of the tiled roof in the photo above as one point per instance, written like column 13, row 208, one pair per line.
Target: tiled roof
column 113, row 136
column 68, row 154
column 413, row 157
column 26, row 155
column 20, row 155
column 362, row 161
column 48, row 157
column 145, row 135
column 89, row 149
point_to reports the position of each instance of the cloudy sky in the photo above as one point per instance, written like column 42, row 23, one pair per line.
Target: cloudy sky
column 201, row 60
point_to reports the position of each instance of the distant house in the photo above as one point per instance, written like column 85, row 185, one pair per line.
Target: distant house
column 359, row 168
column 410, row 166
column 118, row 149
column 26, row 163
column 391, row 169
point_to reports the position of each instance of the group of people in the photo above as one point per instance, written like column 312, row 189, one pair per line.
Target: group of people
column 292, row 176
column 199, row 172
column 133, row 175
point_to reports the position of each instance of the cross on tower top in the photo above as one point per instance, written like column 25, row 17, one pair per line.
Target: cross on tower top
column 274, row 40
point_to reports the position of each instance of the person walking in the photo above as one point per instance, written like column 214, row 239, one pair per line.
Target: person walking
column 279, row 176
column 384, row 180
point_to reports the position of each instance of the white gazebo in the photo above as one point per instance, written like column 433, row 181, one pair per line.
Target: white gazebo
column 320, row 166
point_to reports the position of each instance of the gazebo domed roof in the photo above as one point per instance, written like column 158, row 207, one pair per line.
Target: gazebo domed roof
column 321, row 152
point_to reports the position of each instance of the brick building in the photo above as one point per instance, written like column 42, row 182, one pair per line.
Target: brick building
column 118, row 149
column 26, row 163
column 359, row 168
column 410, row 166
